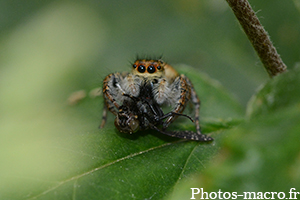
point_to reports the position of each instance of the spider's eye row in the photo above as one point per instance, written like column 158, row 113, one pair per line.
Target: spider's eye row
column 151, row 69
column 141, row 69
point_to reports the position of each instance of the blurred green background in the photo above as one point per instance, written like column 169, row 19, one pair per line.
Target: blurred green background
column 202, row 34
column 49, row 49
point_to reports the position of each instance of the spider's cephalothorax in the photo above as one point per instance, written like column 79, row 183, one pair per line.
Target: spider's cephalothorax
column 154, row 80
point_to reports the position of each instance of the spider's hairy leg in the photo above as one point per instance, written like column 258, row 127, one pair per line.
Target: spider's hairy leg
column 111, row 94
column 110, row 90
column 104, row 116
column 181, row 93
column 196, row 102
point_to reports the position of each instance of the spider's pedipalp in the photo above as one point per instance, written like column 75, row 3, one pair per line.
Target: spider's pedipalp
column 161, row 91
column 131, row 85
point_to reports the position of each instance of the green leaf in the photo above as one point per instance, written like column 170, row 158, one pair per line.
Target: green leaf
column 262, row 154
column 67, row 156
column 282, row 91
column 259, row 156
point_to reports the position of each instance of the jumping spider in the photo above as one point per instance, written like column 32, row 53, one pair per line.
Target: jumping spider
column 155, row 81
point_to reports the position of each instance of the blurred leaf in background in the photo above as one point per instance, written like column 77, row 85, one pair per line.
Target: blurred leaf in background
column 261, row 155
column 49, row 50
column 202, row 34
column 37, row 61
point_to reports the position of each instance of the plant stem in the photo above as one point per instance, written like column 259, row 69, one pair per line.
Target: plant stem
column 258, row 37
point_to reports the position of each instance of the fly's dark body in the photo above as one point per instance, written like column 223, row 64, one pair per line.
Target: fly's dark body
column 142, row 113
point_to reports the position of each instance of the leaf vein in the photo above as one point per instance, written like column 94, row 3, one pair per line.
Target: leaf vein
column 104, row 166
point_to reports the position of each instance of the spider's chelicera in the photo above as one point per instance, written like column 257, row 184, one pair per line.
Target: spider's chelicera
column 135, row 99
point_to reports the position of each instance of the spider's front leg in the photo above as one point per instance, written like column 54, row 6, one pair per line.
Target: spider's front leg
column 114, row 85
column 183, row 91
column 110, row 91
column 178, row 94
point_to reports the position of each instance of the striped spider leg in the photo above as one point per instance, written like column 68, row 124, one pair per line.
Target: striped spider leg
column 114, row 85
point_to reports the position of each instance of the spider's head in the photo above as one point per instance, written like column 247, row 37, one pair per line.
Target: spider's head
column 153, row 69
column 148, row 68
column 126, row 122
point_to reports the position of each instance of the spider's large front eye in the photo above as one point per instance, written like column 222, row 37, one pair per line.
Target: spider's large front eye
column 151, row 69
column 141, row 68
